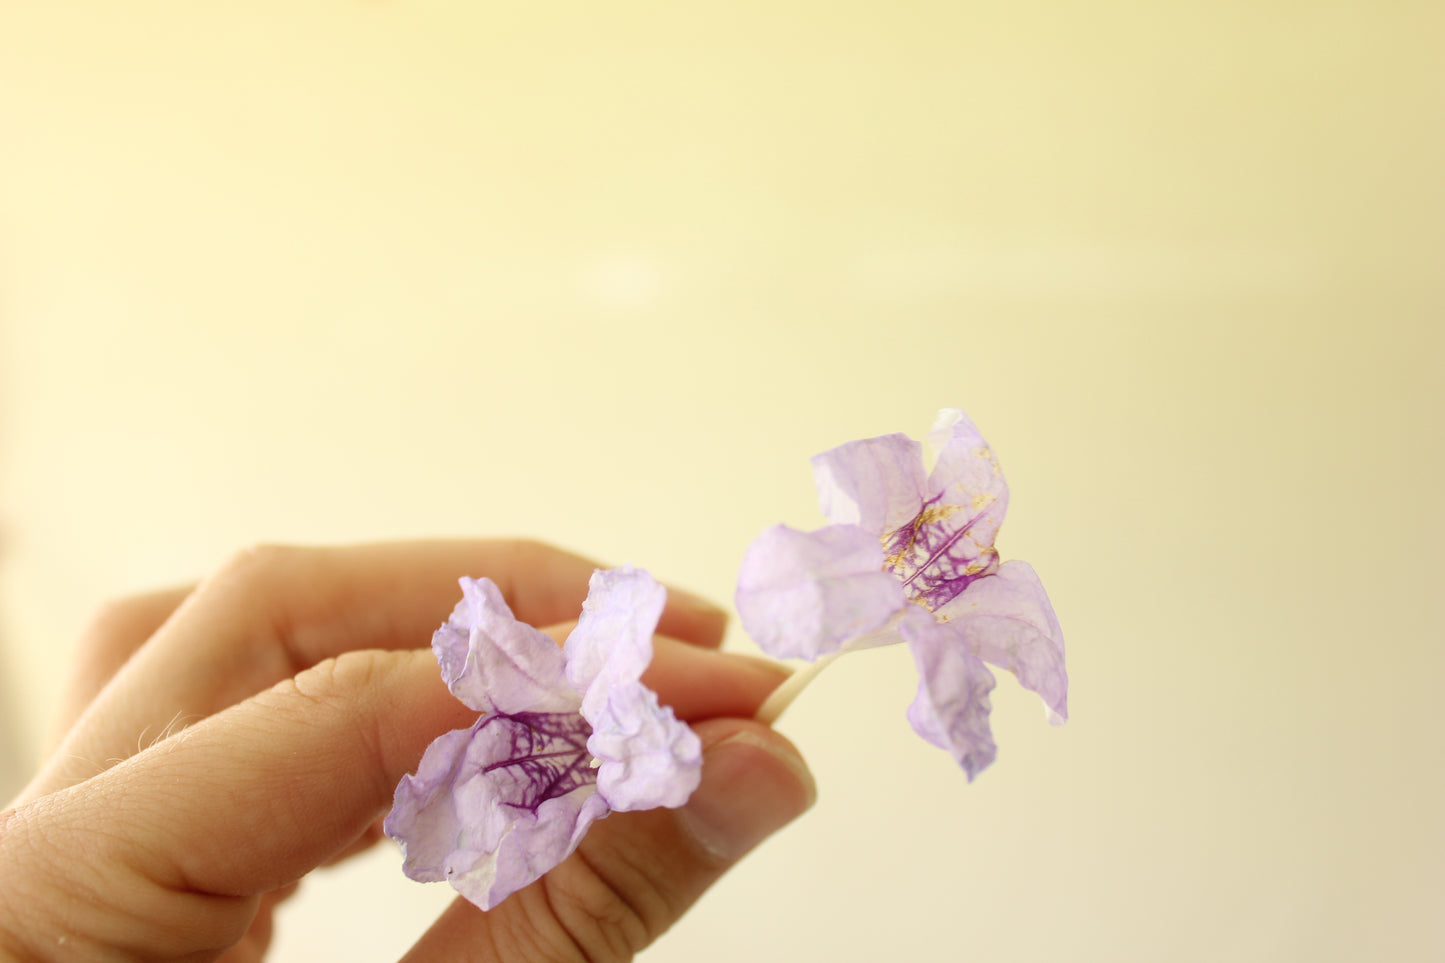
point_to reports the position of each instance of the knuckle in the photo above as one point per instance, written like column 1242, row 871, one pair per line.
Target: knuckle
column 113, row 624
column 116, row 614
column 340, row 694
column 336, row 681
column 124, row 623
column 256, row 579
column 258, row 564
column 527, row 552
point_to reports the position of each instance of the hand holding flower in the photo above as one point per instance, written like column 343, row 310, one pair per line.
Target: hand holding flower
column 222, row 741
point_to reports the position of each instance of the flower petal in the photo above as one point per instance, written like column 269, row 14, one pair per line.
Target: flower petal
column 494, row 663
column 647, row 758
column 876, row 483
column 493, row 807
column 423, row 817
column 807, row 594
column 1007, row 620
column 952, row 706
column 968, row 475
column 948, row 542
column 614, row 634
column 537, row 843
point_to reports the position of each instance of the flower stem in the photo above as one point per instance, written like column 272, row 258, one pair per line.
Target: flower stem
column 784, row 694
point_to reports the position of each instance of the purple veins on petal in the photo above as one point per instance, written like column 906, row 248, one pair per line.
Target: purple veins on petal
column 948, row 544
column 931, row 576
column 936, row 555
column 1008, row 621
column 549, row 752
column 568, row 734
column 516, row 761
column 490, row 805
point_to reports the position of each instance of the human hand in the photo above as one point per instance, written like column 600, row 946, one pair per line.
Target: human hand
column 221, row 742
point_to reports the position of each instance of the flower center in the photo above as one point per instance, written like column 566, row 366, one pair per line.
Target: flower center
column 545, row 755
column 936, row 555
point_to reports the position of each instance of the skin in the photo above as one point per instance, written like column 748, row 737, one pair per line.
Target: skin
column 218, row 742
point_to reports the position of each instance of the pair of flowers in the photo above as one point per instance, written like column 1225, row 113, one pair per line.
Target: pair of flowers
column 569, row 734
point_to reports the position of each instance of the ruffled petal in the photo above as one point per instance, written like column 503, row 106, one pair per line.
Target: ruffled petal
column 613, row 638
column 569, row 735
column 808, row 594
column 876, row 483
column 493, row 807
column 424, row 817
column 952, row 706
column 967, row 474
column 494, row 663
column 647, row 758
column 1007, row 620
column 537, row 843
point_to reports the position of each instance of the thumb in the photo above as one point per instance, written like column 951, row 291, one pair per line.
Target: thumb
column 636, row 873
column 166, row 854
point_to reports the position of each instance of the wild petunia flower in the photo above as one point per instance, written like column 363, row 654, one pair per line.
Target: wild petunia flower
column 567, row 735
column 910, row 557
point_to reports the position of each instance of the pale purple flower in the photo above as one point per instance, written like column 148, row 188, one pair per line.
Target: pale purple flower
column 567, row 735
column 910, row 557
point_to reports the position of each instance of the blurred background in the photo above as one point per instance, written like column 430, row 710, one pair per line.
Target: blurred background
column 607, row 274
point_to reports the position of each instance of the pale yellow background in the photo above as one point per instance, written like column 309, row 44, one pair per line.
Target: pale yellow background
column 607, row 273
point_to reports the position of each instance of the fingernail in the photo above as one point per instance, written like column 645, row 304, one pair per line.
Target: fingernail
column 752, row 786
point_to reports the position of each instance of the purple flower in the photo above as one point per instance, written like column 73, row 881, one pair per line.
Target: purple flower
column 910, row 557
column 567, row 735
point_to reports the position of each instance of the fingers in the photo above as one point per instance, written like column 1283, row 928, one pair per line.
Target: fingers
column 274, row 611
column 174, row 846
column 636, row 873
column 688, row 679
column 185, row 836
column 696, row 683
column 693, row 619
column 115, row 633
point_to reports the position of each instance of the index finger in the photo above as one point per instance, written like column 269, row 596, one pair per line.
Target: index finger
column 274, row 611
column 315, row 603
